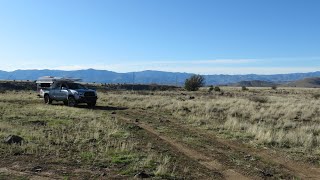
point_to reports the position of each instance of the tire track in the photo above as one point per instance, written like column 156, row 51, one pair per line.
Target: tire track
column 202, row 159
column 302, row 170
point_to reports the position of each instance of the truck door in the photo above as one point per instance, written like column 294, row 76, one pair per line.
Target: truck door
column 62, row 92
column 53, row 90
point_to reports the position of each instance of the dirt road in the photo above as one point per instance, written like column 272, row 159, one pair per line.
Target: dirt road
column 233, row 160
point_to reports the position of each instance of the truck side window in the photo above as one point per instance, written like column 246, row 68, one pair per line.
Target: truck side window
column 45, row 85
column 57, row 85
column 64, row 86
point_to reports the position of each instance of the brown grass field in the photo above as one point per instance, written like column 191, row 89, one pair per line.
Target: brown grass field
column 260, row 133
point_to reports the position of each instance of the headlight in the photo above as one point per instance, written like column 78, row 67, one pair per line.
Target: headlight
column 81, row 94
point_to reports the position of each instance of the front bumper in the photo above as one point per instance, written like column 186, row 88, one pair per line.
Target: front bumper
column 83, row 99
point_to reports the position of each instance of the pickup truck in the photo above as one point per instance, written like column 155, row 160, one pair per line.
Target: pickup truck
column 71, row 94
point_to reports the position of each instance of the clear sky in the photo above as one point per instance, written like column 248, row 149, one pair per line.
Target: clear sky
column 198, row 36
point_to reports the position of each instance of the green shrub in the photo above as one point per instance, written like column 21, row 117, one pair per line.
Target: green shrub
column 194, row 83
column 217, row 89
column 244, row 88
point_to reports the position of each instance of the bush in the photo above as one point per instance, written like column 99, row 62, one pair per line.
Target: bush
column 217, row 89
column 244, row 88
column 210, row 89
column 274, row 87
column 194, row 83
column 258, row 99
column 316, row 96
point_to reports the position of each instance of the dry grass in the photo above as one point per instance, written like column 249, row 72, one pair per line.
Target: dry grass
column 79, row 136
column 284, row 118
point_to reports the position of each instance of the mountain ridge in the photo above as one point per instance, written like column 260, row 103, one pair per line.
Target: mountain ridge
column 150, row 76
column 313, row 82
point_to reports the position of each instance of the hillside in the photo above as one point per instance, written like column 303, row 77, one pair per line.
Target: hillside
column 254, row 83
column 150, row 77
column 308, row 82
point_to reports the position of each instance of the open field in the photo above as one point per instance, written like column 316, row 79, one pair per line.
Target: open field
column 232, row 134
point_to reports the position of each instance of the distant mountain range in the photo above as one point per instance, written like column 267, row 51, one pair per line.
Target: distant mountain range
column 149, row 77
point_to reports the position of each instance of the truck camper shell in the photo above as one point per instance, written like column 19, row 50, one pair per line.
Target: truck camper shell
column 46, row 82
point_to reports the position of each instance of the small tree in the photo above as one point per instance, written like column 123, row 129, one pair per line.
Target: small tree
column 210, row 89
column 217, row 89
column 194, row 83
column 244, row 88
column 274, row 87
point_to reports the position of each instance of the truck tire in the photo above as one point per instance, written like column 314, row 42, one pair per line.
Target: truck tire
column 72, row 101
column 47, row 99
column 91, row 104
column 65, row 103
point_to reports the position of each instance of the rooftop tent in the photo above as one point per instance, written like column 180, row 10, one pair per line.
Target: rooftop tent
column 51, row 79
column 47, row 79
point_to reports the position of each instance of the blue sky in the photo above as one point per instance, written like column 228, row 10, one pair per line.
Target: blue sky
column 198, row 36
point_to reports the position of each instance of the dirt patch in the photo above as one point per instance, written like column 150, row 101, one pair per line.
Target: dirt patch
column 17, row 174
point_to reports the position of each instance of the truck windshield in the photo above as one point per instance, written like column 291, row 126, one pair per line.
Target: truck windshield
column 76, row 86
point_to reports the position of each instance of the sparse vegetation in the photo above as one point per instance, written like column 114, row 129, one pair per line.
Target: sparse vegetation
column 285, row 120
column 58, row 134
column 267, row 119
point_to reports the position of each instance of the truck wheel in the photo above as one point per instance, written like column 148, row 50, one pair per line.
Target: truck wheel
column 47, row 99
column 91, row 104
column 65, row 103
column 71, row 101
